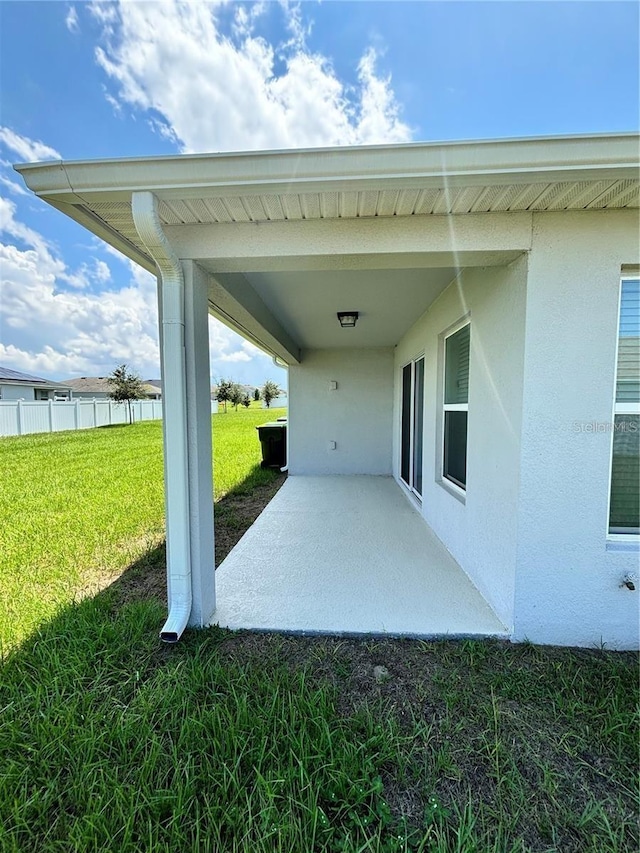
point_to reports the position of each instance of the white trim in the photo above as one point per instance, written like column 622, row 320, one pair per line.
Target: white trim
column 550, row 159
column 410, row 494
column 626, row 408
column 619, row 408
column 451, row 485
column 412, row 415
column 630, row 538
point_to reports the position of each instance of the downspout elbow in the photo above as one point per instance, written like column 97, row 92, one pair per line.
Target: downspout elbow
column 178, row 618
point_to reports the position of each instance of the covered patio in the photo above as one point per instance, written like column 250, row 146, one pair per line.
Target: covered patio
column 347, row 555
column 519, row 242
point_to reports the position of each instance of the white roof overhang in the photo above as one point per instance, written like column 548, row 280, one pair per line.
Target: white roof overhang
column 235, row 191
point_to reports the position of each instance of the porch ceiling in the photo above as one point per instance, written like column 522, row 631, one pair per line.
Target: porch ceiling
column 388, row 302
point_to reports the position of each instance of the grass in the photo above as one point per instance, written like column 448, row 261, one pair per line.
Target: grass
column 77, row 507
column 259, row 742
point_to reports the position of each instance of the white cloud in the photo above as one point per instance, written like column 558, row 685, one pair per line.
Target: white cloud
column 216, row 91
column 72, row 332
column 101, row 271
column 204, row 89
column 113, row 102
column 61, row 332
column 28, row 149
column 231, row 357
column 71, row 20
column 12, row 226
column 12, row 186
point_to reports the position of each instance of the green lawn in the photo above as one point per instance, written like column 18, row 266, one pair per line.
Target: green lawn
column 79, row 505
column 111, row 741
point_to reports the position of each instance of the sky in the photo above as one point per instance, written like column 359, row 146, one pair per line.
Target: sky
column 87, row 80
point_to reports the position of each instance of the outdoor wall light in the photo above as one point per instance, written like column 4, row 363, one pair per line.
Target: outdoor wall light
column 348, row 319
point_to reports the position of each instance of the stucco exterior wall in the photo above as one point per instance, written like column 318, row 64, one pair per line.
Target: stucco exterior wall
column 568, row 576
column 481, row 531
column 17, row 392
column 356, row 415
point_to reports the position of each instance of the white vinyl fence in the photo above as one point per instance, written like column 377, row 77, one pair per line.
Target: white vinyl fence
column 19, row 417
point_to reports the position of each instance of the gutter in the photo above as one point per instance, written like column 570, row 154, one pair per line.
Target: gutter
column 415, row 165
column 144, row 207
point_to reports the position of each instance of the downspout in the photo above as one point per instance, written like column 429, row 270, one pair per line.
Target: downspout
column 144, row 207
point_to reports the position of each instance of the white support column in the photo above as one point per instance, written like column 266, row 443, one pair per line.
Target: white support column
column 196, row 341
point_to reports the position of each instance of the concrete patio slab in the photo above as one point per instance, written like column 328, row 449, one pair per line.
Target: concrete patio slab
column 347, row 555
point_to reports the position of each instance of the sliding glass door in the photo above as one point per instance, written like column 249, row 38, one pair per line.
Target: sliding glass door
column 411, row 427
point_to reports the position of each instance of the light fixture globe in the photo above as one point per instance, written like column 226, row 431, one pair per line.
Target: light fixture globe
column 348, row 319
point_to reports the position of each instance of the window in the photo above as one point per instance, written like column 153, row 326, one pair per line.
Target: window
column 624, row 502
column 412, row 425
column 456, row 406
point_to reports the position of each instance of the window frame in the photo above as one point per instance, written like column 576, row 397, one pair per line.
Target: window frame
column 446, row 482
column 412, row 362
column 619, row 408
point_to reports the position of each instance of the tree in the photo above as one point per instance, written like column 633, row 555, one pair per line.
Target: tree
column 246, row 401
column 236, row 395
column 126, row 387
column 269, row 392
column 256, row 394
column 223, row 393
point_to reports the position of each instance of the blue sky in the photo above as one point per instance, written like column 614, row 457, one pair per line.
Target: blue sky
column 92, row 80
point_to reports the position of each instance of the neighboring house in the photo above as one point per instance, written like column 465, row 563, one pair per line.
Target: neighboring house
column 15, row 385
column 496, row 290
column 246, row 389
column 279, row 402
column 155, row 383
column 99, row 388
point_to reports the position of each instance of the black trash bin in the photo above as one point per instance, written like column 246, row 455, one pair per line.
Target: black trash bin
column 273, row 438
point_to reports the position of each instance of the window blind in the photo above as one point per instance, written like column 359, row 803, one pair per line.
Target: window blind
column 628, row 372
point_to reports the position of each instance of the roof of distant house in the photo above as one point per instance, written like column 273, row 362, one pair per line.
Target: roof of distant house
column 101, row 385
column 7, row 374
column 97, row 384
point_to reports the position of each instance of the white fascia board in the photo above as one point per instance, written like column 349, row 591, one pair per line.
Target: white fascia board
column 613, row 156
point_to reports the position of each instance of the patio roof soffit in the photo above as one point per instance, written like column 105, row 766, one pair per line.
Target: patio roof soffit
column 234, row 302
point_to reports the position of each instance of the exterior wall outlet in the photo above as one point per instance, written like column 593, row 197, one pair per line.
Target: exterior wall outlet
column 332, row 445
column 333, row 385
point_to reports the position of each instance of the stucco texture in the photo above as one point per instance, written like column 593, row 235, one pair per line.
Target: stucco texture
column 356, row 414
column 481, row 530
column 568, row 583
